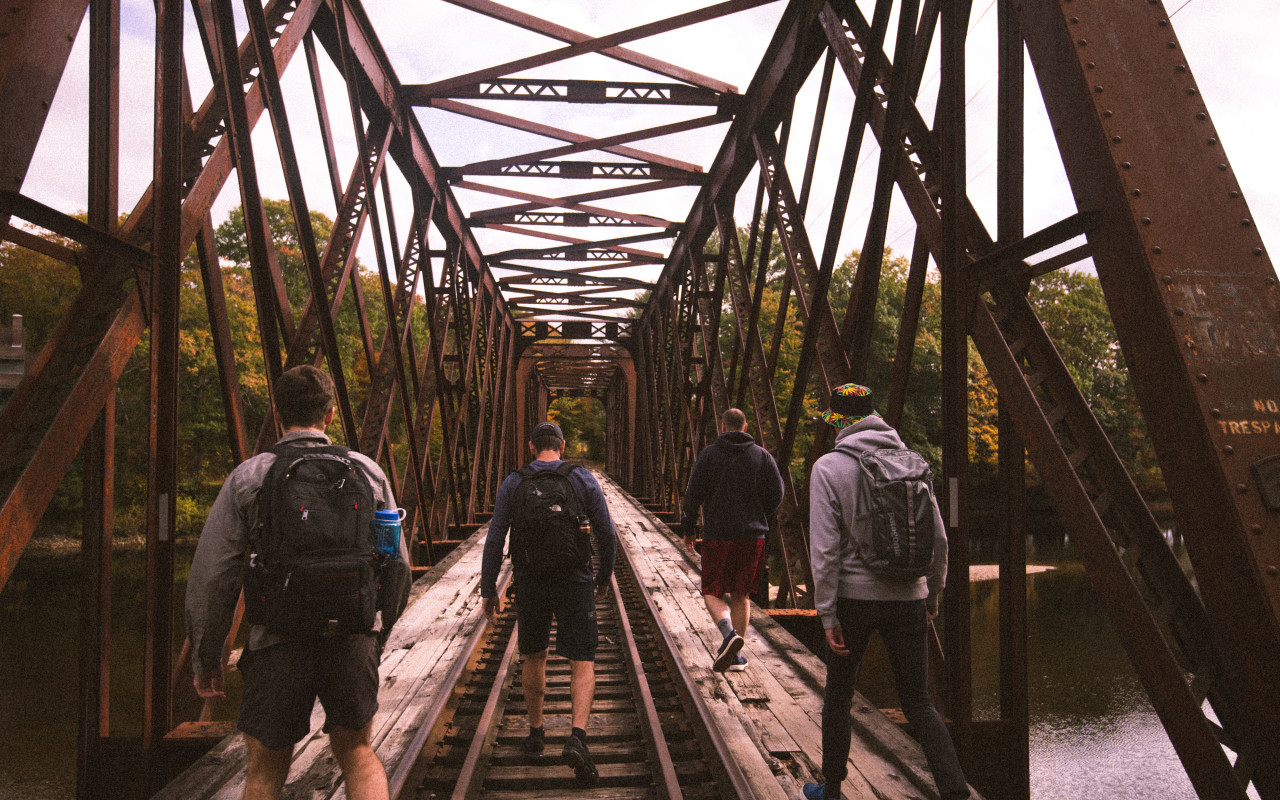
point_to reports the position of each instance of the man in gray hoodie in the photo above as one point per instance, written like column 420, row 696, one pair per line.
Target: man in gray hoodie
column 852, row 601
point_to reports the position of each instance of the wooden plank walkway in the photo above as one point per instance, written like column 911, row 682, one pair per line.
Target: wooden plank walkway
column 769, row 714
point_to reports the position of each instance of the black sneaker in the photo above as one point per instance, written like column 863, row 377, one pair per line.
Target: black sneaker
column 728, row 652
column 534, row 743
column 577, row 756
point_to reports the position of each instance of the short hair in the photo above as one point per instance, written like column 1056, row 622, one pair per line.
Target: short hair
column 303, row 397
column 545, row 442
column 733, row 420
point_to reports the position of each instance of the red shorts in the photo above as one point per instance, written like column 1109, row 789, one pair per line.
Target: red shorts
column 729, row 566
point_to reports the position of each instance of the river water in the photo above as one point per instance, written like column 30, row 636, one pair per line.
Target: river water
column 1094, row 735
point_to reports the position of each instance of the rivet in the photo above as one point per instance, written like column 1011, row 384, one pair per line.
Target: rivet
column 1191, row 90
column 1172, row 45
column 1177, row 312
column 1242, row 488
column 1212, row 141
column 1233, row 194
column 1273, row 570
column 1203, row 378
column 1075, row 20
column 1106, row 113
column 1115, row 140
column 1257, row 251
column 1090, row 65
column 1137, row 193
column 1164, row 23
column 1202, row 116
column 1082, row 42
column 1181, row 68
column 1156, row 250
column 1215, row 412
column 1222, row 168
column 1229, row 450
column 1097, row 90
column 1146, row 220
column 1245, row 223
column 1255, row 528
column 1125, row 165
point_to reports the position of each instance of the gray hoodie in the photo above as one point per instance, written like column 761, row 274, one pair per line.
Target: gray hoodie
column 838, row 570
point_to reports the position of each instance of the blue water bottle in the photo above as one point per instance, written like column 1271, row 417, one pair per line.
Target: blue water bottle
column 386, row 532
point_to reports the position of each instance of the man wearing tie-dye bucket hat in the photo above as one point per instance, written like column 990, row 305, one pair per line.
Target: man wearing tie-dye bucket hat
column 854, row 597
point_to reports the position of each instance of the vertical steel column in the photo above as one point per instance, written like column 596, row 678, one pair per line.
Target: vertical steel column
column 98, row 452
column 1011, row 457
column 162, row 480
column 955, row 369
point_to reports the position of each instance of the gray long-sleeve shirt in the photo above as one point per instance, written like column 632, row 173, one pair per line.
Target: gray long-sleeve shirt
column 216, row 568
column 838, row 571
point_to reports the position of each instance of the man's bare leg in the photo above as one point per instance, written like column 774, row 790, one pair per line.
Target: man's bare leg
column 582, row 691
column 740, row 612
column 365, row 776
column 533, row 676
column 268, row 770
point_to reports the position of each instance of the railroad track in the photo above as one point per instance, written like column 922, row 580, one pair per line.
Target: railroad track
column 648, row 733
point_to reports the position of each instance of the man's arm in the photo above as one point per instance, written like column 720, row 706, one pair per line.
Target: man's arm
column 694, row 495
column 824, row 545
column 770, row 484
column 496, row 541
column 601, row 526
column 214, row 583
column 937, row 580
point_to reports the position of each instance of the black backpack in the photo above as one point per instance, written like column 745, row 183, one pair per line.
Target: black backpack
column 312, row 567
column 895, row 523
column 547, row 534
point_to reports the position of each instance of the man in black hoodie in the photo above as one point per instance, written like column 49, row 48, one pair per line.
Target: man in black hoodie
column 737, row 485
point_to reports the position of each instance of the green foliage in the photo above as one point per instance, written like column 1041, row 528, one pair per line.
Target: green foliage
column 1074, row 313
column 583, row 421
column 36, row 286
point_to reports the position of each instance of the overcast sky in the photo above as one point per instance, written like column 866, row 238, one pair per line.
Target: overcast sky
column 1230, row 46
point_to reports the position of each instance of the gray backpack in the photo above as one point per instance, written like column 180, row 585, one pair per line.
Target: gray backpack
column 895, row 522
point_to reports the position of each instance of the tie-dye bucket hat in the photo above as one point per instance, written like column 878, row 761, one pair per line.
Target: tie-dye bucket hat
column 850, row 404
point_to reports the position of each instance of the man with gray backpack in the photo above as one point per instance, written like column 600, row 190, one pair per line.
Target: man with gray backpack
column 879, row 554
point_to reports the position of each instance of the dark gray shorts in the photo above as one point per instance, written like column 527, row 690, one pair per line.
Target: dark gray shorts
column 282, row 682
column 574, row 607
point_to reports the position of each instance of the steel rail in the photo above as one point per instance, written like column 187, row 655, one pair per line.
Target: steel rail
column 686, row 685
column 400, row 775
column 649, row 718
column 485, row 729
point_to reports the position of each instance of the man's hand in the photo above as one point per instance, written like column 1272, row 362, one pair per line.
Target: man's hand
column 835, row 640
column 931, row 612
column 492, row 605
column 209, row 685
column 689, row 541
column 602, row 590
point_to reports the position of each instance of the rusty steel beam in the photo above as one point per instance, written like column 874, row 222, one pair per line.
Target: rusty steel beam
column 162, row 483
column 1194, row 299
column 605, row 45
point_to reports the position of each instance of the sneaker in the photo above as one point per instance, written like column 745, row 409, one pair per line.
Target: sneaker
column 728, row 650
column 739, row 664
column 578, row 757
column 815, row 791
column 533, row 744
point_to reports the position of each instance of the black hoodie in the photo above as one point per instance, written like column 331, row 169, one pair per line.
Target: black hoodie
column 737, row 484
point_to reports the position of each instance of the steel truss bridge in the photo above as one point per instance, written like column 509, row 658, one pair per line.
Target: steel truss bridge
column 617, row 289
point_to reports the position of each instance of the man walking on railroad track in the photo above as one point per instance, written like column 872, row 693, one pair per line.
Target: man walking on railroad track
column 737, row 485
column 311, row 641
column 879, row 554
column 544, row 504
